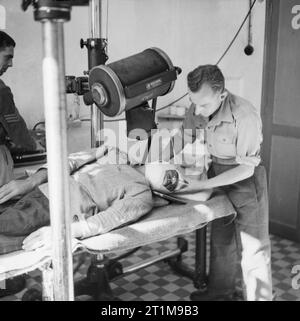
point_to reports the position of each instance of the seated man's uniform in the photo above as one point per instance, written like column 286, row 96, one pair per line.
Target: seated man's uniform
column 12, row 125
column 105, row 192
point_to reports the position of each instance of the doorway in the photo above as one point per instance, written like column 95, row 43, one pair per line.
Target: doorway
column 281, row 116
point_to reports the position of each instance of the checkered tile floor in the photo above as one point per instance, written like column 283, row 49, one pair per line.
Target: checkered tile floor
column 159, row 283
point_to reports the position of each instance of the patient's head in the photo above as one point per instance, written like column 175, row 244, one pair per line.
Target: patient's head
column 164, row 177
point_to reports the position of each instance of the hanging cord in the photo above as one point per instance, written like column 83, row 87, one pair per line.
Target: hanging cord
column 224, row 54
column 220, row 59
column 237, row 33
column 106, row 27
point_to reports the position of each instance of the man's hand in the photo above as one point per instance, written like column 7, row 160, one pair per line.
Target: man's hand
column 38, row 146
column 194, row 186
column 41, row 238
column 14, row 188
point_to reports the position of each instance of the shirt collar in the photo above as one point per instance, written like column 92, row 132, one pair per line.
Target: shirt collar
column 224, row 113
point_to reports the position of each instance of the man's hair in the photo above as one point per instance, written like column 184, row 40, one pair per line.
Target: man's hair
column 206, row 74
column 6, row 40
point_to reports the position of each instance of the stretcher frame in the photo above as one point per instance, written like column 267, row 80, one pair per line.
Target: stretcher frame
column 104, row 269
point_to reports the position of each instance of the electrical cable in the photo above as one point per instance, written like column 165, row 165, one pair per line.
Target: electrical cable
column 237, row 33
column 38, row 124
column 107, row 20
column 106, row 35
column 220, row 59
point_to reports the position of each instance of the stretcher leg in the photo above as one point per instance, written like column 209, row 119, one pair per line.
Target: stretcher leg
column 96, row 284
column 48, row 290
column 200, row 277
column 176, row 262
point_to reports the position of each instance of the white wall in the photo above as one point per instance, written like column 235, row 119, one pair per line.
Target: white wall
column 192, row 32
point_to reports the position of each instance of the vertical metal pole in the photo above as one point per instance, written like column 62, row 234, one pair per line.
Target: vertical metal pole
column 56, row 131
column 48, row 290
column 250, row 25
column 98, row 18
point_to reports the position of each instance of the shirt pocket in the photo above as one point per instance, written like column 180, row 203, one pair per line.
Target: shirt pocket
column 224, row 145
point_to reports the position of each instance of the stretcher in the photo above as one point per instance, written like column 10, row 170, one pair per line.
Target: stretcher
column 160, row 224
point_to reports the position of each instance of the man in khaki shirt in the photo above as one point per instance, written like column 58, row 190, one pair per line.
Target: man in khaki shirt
column 233, row 135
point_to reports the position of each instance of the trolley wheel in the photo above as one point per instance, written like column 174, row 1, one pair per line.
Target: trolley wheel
column 32, row 295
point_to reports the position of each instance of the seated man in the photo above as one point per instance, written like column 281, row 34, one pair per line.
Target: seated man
column 106, row 192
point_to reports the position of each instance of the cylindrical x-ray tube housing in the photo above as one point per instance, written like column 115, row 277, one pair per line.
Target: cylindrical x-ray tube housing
column 129, row 82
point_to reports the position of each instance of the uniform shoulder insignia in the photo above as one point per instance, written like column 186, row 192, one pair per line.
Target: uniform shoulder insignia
column 11, row 118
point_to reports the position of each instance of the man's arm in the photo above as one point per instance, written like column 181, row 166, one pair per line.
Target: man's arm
column 20, row 187
column 229, row 177
column 79, row 159
column 121, row 212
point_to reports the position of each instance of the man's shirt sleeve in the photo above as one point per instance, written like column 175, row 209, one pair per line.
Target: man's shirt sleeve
column 122, row 211
column 249, row 139
column 13, row 122
column 79, row 159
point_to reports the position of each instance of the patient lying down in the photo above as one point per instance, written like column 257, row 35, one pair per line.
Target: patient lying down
column 106, row 192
